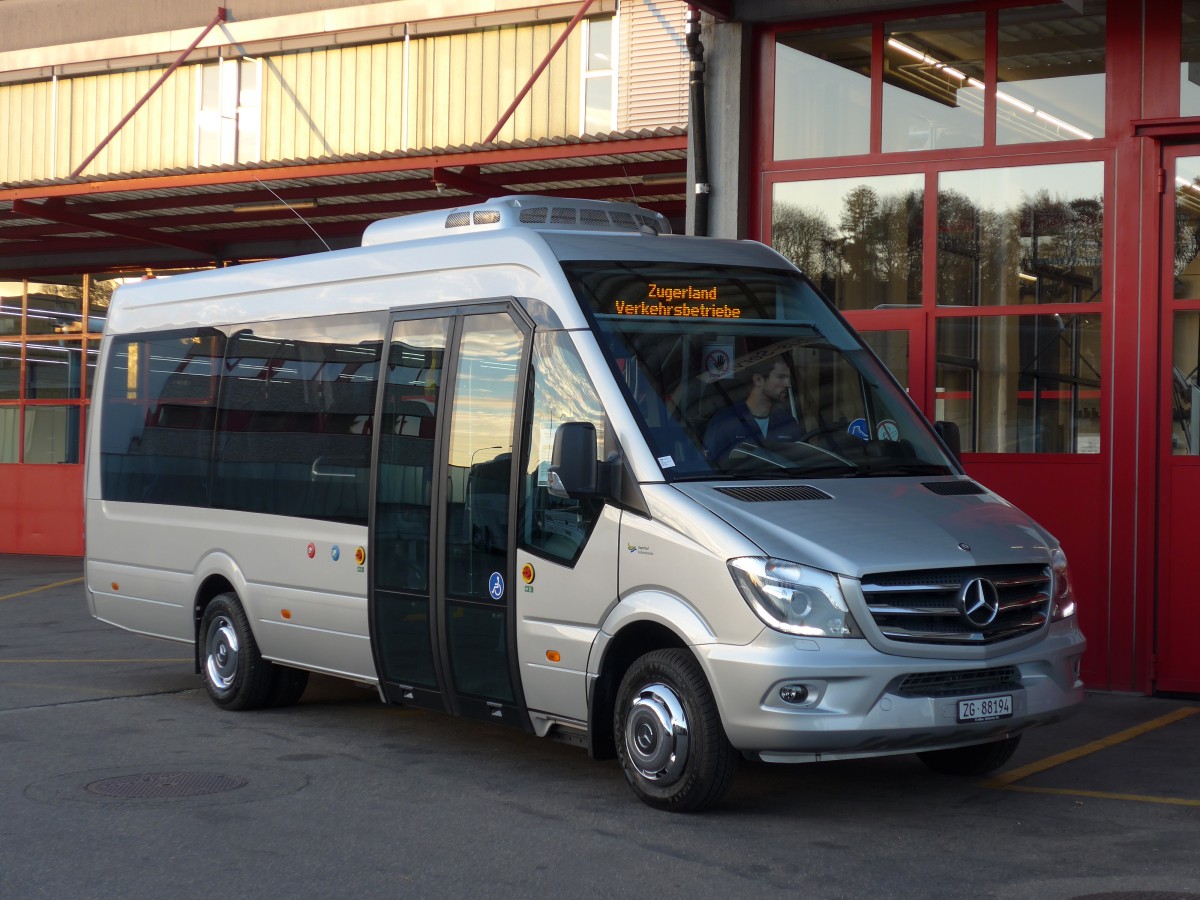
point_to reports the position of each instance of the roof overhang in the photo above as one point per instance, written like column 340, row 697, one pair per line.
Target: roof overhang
column 182, row 218
column 797, row 10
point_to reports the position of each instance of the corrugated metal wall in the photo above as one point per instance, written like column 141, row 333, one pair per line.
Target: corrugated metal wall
column 332, row 102
column 51, row 127
column 436, row 91
column 464, row 82
column 653, row 83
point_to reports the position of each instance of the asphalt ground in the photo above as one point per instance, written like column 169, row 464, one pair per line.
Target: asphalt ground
column 118, row 777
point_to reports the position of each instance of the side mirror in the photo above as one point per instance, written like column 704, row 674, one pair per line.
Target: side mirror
column 573, row 466
column 948, row 432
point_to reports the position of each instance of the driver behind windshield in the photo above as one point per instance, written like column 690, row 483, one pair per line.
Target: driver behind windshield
column 762, row 418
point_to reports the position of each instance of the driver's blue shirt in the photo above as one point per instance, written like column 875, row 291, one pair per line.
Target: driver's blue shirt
column 736, row 424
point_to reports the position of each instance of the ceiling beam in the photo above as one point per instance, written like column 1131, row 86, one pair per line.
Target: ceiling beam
column 718, row 9
column 466, row 179
column 496, row 182
column 508, row 155
column 56, row 211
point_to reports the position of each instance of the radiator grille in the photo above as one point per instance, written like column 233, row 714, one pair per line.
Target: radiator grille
column 924, row 607
column 952, row 684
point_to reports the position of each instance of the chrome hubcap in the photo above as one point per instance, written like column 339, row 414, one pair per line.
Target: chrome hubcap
column 221, row 653
column 656, row 734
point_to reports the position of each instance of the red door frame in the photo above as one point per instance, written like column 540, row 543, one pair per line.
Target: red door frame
column 1177, row 618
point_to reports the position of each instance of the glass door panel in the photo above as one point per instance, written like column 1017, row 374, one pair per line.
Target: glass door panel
column 897, row 336
column 893, row 347
column 402, row 630
column 477, row 512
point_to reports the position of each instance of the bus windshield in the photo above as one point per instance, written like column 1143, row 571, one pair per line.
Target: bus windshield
column 747, row 373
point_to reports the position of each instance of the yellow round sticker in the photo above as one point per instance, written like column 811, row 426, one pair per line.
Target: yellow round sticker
column 360, row 555
column 527, row 573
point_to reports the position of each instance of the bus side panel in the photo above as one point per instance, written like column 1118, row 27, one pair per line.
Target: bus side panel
column 148, row 591
column 299, row 581
column 560, row 611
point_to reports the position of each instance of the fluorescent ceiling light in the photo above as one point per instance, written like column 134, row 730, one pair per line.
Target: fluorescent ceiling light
column 976, row 83
column 276, row 207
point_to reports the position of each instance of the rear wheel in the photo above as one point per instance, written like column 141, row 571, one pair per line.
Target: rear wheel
column 978, row 759
column 669, row 736
column 235, row 674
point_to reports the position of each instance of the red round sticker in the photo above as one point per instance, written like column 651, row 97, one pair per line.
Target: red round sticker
column 312, row 550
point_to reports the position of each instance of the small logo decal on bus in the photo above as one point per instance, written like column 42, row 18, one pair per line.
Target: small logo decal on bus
column 496, row 586
column 312, row 551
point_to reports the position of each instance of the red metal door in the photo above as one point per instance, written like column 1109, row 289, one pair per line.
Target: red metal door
column 1177, row 596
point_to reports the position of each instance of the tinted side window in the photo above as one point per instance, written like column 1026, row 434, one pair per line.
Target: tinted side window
column 156, row 431
column 559, row 391
column 295, row 416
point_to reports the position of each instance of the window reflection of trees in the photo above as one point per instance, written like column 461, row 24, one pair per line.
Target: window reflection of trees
column 870, row 258
column 1045, row 245
column 1045, row 250
column 1187, row 231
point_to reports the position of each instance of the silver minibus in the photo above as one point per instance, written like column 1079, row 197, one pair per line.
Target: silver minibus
column 541, row 462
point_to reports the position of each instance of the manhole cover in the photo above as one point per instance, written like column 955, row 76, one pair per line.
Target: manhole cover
column 166, row 784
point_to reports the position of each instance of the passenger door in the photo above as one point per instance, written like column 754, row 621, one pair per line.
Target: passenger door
column 442, row 536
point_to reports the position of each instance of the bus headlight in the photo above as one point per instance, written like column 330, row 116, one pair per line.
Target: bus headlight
column 794, row 598
column 1063, row 605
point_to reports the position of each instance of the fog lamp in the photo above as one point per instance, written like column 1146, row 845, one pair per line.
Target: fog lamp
column 793, row 693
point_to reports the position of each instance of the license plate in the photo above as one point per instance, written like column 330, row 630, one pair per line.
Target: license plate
column 986, row 709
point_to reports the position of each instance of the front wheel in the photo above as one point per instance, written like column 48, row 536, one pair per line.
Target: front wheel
column 978, row 759
column 235, row 674
column 668, row 734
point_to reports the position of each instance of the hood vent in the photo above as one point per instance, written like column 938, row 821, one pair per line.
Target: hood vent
column 954, row 488
column 775, row 494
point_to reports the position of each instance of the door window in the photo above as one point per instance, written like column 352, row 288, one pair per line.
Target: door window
column 478, row 486
column 403, row 500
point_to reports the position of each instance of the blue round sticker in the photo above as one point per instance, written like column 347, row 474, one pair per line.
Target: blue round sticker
column 335, row 552
column 496, row 586
column 858, row 428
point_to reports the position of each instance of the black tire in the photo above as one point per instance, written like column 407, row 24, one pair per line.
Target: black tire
column 287, row 685
column 668, row 734
column 235, row 674
column 978, row 759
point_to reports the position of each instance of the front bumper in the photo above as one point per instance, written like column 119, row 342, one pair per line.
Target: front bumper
column 855, row 706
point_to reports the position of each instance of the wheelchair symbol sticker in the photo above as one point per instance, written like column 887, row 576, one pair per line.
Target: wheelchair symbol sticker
column 496, row 586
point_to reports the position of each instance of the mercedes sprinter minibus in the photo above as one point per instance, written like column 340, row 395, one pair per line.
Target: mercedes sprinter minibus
column 541, row 462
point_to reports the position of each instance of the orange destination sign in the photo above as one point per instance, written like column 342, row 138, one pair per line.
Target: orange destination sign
column 691, row 301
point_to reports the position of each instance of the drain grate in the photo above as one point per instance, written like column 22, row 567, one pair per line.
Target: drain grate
column 166, row 784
